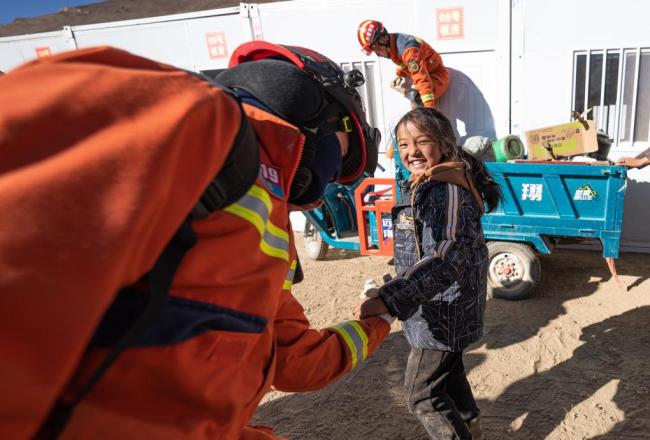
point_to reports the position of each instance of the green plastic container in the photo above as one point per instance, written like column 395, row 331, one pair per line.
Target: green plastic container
column 508, row 148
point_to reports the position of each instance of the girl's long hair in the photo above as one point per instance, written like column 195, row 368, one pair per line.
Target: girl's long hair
column 438, row 127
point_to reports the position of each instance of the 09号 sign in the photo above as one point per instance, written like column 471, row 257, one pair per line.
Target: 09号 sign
column 451, row 23
column 42, row 52
column 216, row 45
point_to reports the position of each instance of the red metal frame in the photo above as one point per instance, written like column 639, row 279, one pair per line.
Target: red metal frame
column 379, row 207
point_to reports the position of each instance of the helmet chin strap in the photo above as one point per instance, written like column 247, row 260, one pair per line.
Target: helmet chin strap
column 387, row 45
column 383, row 35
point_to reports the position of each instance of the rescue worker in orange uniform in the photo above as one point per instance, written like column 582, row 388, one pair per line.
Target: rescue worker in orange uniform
column 417, row 63
column 145, row 267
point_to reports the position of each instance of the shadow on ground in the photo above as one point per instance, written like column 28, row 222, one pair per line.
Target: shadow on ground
column 614, row 353
column 614, row 350
column 341, row 254
column 566, row 275
column 365, row 404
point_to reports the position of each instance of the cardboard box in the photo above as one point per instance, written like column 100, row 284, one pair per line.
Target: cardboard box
column 564, row 140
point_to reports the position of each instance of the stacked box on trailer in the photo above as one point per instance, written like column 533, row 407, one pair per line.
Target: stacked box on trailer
column 542, row 204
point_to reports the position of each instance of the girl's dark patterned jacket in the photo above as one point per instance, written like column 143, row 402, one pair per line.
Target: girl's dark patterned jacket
column 440, row 290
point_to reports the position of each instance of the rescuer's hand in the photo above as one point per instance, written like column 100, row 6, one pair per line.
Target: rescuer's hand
column 397, row 82
column 373, row 307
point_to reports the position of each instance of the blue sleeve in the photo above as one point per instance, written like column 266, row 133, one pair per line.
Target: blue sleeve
column 404, row 41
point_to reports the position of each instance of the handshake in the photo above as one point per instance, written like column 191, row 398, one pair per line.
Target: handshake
column 373, row 304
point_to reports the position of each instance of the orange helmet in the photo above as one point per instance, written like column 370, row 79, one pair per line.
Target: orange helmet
column 369, row 32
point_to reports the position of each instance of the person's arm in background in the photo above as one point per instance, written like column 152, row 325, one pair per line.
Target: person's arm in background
column 399, row 76
column 416, row 66
column 640, row 161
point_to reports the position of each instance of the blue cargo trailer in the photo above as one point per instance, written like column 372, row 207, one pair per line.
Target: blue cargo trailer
column 334, row 223
column 544, row 204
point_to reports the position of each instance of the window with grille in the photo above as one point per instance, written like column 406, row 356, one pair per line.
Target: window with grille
column 615, row 85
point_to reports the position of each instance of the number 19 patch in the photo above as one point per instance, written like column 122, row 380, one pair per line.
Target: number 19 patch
column 271, row 177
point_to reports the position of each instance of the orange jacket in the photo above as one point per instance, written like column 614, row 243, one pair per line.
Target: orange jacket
column 415, row 58
column 98, row 169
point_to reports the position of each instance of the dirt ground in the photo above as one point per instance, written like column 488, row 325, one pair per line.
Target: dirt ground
column 570, row 362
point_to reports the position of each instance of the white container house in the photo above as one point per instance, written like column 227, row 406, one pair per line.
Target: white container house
column 515, row 64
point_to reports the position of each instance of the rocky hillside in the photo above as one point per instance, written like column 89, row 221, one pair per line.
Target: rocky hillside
column 110, row 10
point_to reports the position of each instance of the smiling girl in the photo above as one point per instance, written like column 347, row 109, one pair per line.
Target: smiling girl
column 441, row 263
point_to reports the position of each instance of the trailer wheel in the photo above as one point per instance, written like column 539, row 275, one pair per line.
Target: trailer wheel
column 315, row 246
column 513, row 270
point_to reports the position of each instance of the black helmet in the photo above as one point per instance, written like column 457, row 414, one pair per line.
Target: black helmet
column 281, row 82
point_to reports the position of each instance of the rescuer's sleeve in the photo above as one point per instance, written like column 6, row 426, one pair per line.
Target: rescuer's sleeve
column 416, row 67
column 309, row 359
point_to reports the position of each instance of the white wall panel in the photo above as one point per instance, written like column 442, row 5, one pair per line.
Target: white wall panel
column 15, row 51
column 180, row 40
column 479, row 59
